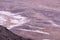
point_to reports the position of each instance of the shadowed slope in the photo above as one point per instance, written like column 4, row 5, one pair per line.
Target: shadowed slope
column 5, row 34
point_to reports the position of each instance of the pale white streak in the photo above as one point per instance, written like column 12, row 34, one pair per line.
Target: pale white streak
column 6, row 13
column 46, row 39
column 37, row 31
column 36, row 27
column 53, row 24
column 47, row 7
column 18, row 23
column 2, row 20
column 17, row 16
column 15, row 19
column 12, row 26
column 39, row 27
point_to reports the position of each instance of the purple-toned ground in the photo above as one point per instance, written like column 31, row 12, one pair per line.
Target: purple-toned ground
column 44, row 16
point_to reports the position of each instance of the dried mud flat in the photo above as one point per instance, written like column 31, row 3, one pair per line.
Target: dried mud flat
column 44, row 18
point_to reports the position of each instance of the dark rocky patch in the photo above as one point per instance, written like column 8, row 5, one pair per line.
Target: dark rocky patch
column 5, row 34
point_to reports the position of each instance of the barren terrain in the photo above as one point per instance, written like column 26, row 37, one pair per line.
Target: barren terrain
column 44, row 16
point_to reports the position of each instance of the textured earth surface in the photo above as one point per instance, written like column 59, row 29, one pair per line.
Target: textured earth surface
column 44, row 18
column 5, row 34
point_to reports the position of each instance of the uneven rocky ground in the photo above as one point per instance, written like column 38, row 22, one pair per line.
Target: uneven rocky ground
column 44, row 18
column 5, row 34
